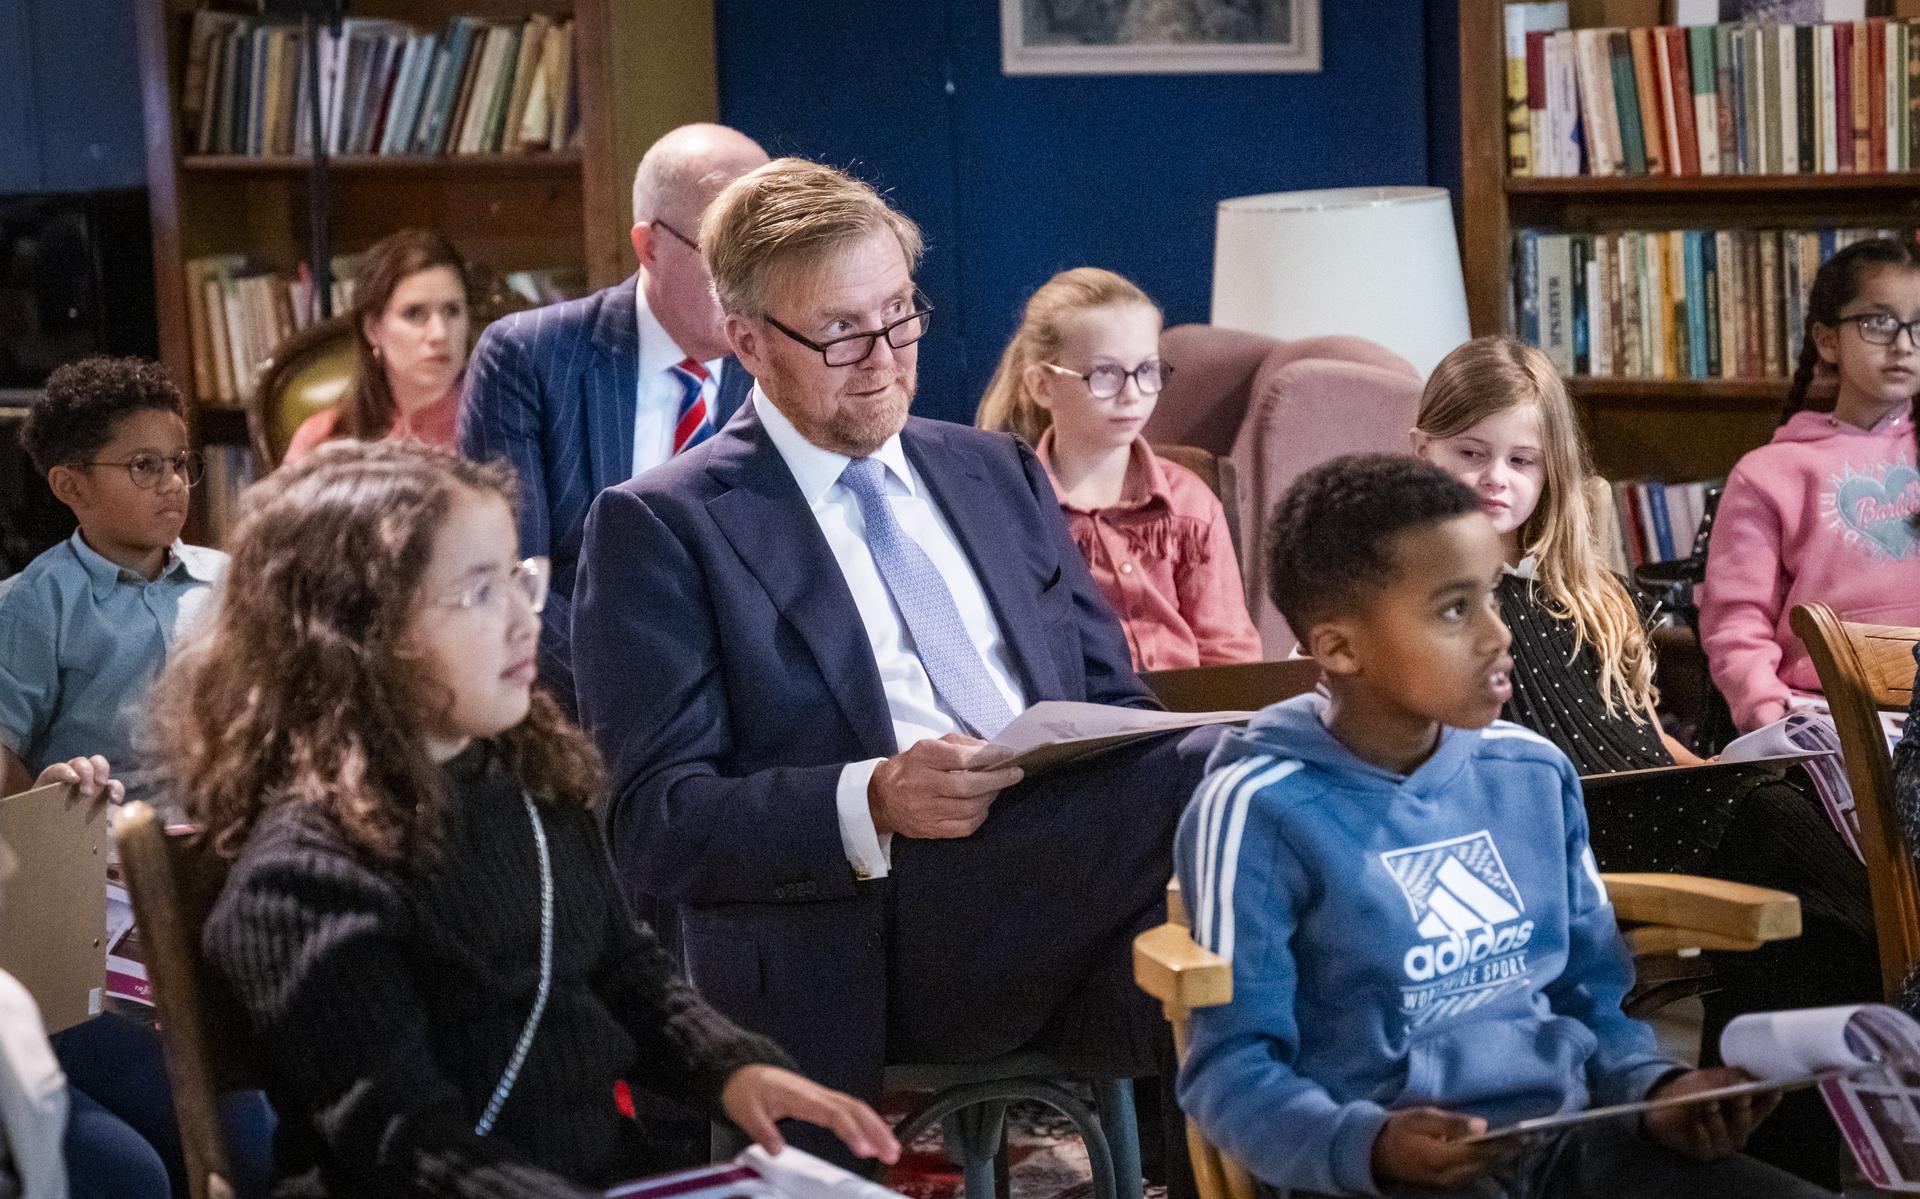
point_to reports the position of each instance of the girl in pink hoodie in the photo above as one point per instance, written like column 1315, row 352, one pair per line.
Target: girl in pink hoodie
column 1827, row 511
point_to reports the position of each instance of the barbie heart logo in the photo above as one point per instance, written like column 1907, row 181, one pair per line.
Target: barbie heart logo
column 1882, row 509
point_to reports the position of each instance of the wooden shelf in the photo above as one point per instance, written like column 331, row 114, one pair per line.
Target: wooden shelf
column 1901, row 182
column 1740, row 393
column 567, row 160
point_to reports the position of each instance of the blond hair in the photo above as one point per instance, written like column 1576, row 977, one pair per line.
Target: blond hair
column 1490, row 375
column 1008, row 404
column 779, row 220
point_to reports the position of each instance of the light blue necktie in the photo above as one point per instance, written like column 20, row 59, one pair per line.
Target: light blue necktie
column 939, row 636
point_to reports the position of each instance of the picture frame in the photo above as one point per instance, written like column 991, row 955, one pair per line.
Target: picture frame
column 1158, row 37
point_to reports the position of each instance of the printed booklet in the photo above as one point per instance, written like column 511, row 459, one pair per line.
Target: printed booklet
column 1865, row 1059
column 757, row 1174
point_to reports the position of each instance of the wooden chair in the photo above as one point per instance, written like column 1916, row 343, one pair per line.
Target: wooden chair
column 1239, row 688
column 173, row 884
column 1674, row 913
column 308, row 373
column 1867, row 669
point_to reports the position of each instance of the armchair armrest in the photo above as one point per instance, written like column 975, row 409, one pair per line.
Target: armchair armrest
column 1170, row 966
column 1714, row 913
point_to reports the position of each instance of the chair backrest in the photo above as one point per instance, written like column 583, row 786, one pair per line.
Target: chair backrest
column 1218, row 474
column 307, row 374
column 1276, row 409
column 1243, row 686
column 173, row 883
column 1867, row 669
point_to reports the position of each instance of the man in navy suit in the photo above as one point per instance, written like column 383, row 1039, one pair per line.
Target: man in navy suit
column 582, row 395
column 789, row 644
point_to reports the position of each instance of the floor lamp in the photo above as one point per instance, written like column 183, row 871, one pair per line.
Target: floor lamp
column 1381, row 263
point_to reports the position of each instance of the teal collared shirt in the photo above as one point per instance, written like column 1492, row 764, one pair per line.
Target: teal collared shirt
column 81, row 640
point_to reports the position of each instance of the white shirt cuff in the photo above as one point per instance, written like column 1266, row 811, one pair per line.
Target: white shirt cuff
column 868, row 852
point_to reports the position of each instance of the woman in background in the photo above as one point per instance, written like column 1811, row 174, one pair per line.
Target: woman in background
column 410, row 327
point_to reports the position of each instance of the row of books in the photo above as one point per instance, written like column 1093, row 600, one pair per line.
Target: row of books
column 238, row 314
column 1710, row 99
column 230, row 471
column 1671, row 304
column 1657, row 520
column 477, row 87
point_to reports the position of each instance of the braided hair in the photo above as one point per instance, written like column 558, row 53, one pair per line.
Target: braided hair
column 1839, row 280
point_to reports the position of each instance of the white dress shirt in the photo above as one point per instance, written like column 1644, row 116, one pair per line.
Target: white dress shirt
column 917, row 712
column 657, row 404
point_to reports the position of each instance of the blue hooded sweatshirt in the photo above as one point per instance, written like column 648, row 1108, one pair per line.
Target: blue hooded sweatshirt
column 1435, row 939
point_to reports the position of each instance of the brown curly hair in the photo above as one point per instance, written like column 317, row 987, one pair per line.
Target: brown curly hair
column 304, row 689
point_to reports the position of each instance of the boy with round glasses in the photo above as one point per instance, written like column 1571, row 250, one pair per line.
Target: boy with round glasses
column 88, row 624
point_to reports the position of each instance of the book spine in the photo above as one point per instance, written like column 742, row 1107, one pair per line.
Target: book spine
column 1647, row 102
column 1527, row 287
column 1602, row 327
column 1659, row 521
column 1704, row 75
column 1581, row 246
column 1695, row 292
column 1804, row 112
column 1725, row 262
column 1860, row 96
column 1787, row 84
column 1710, row 304
column 1767, row 94
column 1876, row 95
column 1556, row 300
column 1626, row 99
column 1678, row 354
column 1679, row 103
column 1519, row 156
column 1768, row 306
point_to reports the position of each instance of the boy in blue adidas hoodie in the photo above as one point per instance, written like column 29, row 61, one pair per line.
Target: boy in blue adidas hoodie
column 1421, row 944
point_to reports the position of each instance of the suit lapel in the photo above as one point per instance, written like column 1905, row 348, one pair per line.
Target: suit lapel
column 766, row 520
column 982, row 518
column 609, row 388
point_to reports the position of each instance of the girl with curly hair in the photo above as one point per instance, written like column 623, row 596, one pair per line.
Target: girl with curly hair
column 421, row 923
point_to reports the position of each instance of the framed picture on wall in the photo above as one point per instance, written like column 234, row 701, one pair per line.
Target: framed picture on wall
column 1158, row 37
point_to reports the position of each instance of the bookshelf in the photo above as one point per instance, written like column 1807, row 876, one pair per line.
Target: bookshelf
column 641, row 67
column 1676, row 429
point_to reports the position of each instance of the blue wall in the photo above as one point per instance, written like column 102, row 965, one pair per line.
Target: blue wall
column 1016, row 178
column 69, row 96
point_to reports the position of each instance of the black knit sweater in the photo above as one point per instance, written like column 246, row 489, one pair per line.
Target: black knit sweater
column 384, row 1004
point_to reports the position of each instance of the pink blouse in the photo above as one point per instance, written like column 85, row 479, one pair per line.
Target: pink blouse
column 433, row 424
column 1164, row 560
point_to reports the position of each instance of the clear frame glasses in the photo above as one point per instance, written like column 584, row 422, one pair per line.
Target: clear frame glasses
column 149, row 470
column 1883, row 328
column 529, row 578
column 854, row 348
column 1108, row 380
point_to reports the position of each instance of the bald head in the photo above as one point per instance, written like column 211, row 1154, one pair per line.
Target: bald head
column 683, row 171
column 678, row 178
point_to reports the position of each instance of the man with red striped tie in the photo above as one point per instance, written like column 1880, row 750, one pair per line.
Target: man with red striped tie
column 582, row 395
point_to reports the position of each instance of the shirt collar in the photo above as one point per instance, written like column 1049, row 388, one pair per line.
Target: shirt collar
column 658, row 350
column 817, row 470
column 1145, row 484
column 183, row 561
column 1526, row 569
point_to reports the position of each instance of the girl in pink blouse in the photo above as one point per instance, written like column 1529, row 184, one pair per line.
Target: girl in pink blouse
column 1078, row 382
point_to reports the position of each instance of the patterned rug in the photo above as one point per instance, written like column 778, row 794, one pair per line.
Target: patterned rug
column 1045, row 1159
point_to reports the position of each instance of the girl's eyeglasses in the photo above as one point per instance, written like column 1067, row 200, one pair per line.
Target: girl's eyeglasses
column 150, row 471
column 1883, row 328
column 1107, row 380
column 529, row 579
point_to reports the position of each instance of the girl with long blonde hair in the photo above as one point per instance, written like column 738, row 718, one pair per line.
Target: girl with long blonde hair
column 1497, row 416
column 1078, row 382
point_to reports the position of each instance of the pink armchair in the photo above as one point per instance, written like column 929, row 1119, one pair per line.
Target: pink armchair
column 1275, row 409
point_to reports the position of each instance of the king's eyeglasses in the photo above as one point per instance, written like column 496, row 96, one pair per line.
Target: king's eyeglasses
column 529, row 578
column 683, row 238
column 855, row 347
column 1883, row 328
column 150, row 470
column 1108, row 380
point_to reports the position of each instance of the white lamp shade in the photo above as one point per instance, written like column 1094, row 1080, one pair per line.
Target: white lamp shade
column 1376, row 262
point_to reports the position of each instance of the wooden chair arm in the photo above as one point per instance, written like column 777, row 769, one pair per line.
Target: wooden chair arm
column 1170, row 966
column 1709, row 913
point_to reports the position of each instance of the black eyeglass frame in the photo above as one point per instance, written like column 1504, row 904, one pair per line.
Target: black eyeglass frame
column 1910, row 328
column 190, row 465
column 679, row 236
column 1165, row 370
column 872, row 336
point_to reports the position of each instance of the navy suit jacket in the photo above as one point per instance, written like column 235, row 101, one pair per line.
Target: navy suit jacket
column 552, row 391
column 725, row 674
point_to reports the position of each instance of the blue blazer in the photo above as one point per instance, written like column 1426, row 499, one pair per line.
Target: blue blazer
column 724, row 672
column 552, row 391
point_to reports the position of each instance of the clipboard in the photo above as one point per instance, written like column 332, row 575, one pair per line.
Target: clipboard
column 53, row 919
column 1775, row 764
